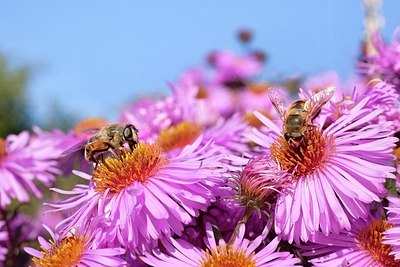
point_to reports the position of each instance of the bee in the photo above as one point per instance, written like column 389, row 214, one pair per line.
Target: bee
column 107, row 139
column 297, row 119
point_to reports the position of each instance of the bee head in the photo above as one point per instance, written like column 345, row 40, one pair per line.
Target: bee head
column 294, row 139
column 131, row 135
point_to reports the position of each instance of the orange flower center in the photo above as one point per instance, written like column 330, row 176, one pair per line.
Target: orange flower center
column 202, row 93
column 224, row 256
column 65, row 252
column 117, row 173
column 307, row 157
column 396, row 153
column 89, row 123
column 3, row 149
column 371, row 240
column 258, row 88
column 252, row 120
column 178, row 136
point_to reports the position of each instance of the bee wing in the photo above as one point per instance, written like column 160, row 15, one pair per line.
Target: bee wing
column 91, row 130
column 315, row 104
column 278, row 101
column 74, row 148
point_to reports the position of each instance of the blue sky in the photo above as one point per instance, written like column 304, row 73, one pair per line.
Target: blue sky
column 92, row 57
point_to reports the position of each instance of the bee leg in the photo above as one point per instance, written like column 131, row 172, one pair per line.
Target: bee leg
column 93, row 159
column 113, row 152
column 132, row 145
column 120, row 150
column 316, row 115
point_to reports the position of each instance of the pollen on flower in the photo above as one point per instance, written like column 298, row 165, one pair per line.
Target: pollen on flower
column 226, row 256
column 252, row 120
column 117, row 173
column 65, row 252
column 307, row 157
column 370, row 238
column 3, row 149
column 89, row 123
column 178, row 136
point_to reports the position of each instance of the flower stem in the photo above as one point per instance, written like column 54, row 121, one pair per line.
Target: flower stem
column 246, row 215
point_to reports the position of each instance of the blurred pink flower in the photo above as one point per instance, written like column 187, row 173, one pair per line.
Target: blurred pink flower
column 231, row 68
column 180, row 253
column 386, row 61
column 3, row 240
column 322, row 81
column 25, row 159
column 150, row 116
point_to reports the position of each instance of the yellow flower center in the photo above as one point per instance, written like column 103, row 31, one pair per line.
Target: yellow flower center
column 89, row 123
column 65, row 252
column 3, row 149
column 224, row 256
column 117, row 173
column 371, row 240
column 308, row 156
column 178, row 136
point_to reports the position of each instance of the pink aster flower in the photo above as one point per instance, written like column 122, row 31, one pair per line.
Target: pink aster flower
column 23, row 161
column 363, row 245
column 335, row 171
column 183, row 126
column 78, row 247
column 392, row 235
column 146, row 194
column 381, row 95
column 386, row 61
column 153, row 116
column 242, row 252
column 3, row 240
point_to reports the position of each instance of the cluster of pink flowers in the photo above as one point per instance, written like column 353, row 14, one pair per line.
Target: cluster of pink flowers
column 215, row 178
column 384, row 59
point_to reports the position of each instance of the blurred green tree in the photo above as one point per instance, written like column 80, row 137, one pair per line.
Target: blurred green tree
column 14, row 110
